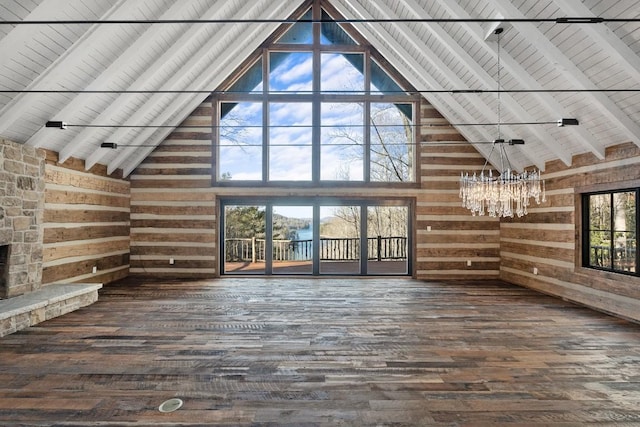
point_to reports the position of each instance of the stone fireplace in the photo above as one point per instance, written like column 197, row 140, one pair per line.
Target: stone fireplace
column 24, row 302
column 21, row 217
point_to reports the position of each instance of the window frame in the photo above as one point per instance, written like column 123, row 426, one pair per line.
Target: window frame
column 364, row 203
column 586, row 230
column 317, row 99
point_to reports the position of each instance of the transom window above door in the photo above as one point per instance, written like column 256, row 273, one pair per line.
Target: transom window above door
column 317, row 105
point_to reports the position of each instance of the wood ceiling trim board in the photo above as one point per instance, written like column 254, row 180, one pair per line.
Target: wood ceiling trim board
column 373, row 33
column 604, row 38
column 477, row 72
column 130, row 159
column 571, row 72
column 49, row 77
column 526, row 80
column 141, row 82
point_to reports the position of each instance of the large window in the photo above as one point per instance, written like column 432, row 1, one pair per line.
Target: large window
column 315, row 107
column 610, row 231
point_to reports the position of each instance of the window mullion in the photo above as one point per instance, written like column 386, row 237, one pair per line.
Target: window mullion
column 367, row 118
column 612, row 246
column 316, row 105
column 265, row 115
column 636, row 231
column 268, row 244
column 316, row 120
column 364, row 238
column 586, row 231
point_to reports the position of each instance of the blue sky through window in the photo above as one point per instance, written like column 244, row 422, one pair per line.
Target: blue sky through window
column 291, row 72
column 290, row 130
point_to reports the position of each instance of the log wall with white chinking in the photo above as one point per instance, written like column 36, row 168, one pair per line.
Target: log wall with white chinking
column 86, row 223
column 173, row 207
column 549, row 237
column 447, row 235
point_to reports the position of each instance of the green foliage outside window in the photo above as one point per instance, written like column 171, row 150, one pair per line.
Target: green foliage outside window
column 612, row 236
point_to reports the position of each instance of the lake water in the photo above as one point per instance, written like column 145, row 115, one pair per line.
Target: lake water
column 304, row 233
column 304, row 249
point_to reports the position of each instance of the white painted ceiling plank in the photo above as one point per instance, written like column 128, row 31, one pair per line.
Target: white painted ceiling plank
column 511, row 103
column 453, row 79
column 525, row 80
column 371, row 33
column 605, row 38
column 570, row 70
column 602, row 125
column 234, row 55
column 141, row 81
column 48, row 79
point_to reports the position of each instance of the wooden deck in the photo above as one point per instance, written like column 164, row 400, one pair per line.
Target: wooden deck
column 323, row 352
column 389, row 267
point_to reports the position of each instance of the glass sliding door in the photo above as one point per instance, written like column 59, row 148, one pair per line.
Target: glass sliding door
column 316, row 237
column 244, row 242
column 292, row 239
column 388, row 240
column 340, row 245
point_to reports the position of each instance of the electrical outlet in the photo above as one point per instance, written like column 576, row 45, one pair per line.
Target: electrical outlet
column 95, row 269
column 468, row 263
column 535, row 270
column 428, row 228
column 171, row 261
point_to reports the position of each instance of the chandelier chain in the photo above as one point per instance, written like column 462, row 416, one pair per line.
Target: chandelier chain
column 509, row 192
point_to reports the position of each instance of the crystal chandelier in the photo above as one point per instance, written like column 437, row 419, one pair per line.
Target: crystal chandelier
column 508, row 192
column 504, row 194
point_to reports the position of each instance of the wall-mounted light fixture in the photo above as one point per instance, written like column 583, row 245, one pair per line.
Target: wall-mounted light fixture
column 568, row 122
column 55, row 124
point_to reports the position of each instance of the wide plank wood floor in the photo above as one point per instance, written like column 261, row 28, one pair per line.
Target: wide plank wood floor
column 323, row 352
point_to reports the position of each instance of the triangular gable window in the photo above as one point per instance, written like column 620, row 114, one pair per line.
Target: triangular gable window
column 300, row 32
column 316, row 111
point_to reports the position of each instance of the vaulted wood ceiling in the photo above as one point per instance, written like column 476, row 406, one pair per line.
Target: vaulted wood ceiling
column 100, row 61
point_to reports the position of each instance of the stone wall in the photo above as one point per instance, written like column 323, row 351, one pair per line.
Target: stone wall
column 21, row 216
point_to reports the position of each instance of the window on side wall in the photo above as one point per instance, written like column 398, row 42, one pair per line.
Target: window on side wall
column 610, row 231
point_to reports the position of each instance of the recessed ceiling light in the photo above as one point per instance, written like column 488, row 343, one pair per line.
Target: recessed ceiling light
column 170, row 405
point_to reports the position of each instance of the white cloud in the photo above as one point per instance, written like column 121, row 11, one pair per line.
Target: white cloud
column 294, row 74
column 290, row 163
column 337, row 74
column 295, row 113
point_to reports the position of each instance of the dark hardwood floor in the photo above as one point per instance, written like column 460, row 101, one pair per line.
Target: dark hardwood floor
column 323, row 352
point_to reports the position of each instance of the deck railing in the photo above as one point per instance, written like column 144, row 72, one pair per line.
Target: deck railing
column 331, row 249
column 624, row 258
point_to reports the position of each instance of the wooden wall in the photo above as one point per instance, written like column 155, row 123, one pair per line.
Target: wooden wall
column 86, row 224
column 448, row 236
column 548, row 239
column 173, row 208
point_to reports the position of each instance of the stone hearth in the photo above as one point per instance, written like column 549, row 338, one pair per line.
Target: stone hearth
column 23, row 300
